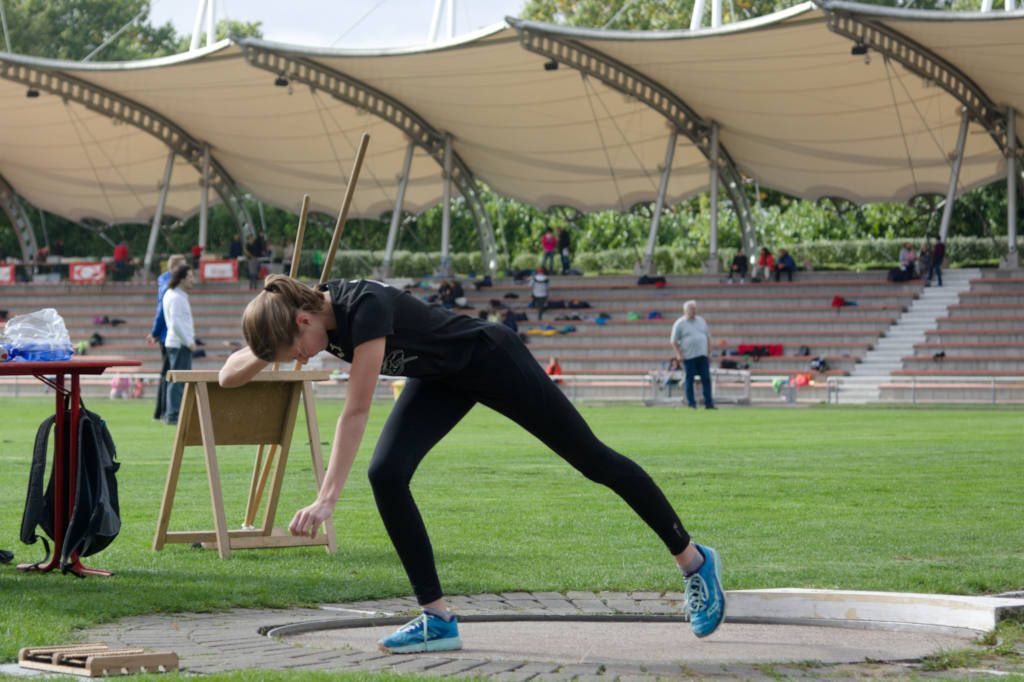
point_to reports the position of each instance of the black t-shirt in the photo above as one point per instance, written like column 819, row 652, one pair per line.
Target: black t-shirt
column 422, row 340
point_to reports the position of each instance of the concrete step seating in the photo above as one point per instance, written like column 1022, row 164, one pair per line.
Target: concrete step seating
column 618, row 355
column 976, row 354
column 1007, row 296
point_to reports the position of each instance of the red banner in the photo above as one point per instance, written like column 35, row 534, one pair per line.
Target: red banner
column 218, row 270
column 6, row 274
column 87, row 273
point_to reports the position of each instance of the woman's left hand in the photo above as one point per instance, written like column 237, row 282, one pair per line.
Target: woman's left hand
column 308, row 519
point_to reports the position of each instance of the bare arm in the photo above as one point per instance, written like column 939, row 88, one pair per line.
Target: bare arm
column 241, row 366
column 348, row 434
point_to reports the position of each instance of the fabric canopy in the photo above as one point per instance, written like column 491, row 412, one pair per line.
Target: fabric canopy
column 796, row 111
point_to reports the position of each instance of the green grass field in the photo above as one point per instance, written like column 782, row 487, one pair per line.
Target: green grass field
column 925, row 500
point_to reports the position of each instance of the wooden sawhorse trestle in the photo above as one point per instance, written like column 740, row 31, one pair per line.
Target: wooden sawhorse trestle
column 262, row 412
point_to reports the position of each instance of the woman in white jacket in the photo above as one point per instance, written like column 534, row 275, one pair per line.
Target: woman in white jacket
column 181, row 335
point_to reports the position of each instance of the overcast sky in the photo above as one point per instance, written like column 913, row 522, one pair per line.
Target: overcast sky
column 341, row 23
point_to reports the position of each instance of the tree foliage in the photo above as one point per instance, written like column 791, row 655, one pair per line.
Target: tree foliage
column 72, row 29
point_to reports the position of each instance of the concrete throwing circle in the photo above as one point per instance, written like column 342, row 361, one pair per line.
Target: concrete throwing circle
column 620, row 641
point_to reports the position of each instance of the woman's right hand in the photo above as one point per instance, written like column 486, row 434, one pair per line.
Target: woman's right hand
column 307, row 520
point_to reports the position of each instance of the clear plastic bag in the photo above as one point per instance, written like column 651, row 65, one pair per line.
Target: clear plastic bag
column 36, row 337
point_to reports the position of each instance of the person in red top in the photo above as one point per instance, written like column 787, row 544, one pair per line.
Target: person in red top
column 554, row 370
column 197, row 251
column 548, row 242
column 121, row 262
column 765, row 264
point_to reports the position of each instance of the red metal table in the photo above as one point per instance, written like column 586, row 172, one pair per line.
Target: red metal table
column 65, row 467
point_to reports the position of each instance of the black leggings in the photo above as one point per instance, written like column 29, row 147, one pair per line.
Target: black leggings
column 504, row 376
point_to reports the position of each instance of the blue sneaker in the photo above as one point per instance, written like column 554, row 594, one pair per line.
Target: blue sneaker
column 426, row 632
column 705, row 599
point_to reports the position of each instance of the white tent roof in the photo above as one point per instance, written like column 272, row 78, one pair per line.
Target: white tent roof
column 796, row 111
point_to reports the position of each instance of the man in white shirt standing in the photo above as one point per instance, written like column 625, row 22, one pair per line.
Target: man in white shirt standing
column 691, row 341
column 181, row 335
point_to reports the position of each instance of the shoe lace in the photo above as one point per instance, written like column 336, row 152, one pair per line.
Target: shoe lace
column 419, row 621
column 696, row 594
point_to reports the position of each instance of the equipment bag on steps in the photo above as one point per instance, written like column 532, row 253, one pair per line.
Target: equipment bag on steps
column 95, row 519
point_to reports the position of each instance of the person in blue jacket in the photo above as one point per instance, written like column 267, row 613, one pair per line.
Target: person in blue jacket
column 786, row 265
column 158, row 334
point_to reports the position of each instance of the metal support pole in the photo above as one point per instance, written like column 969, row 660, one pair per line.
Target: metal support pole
column 1012, row 259
column 210, row 23
column 396, row 215
column 697, row 18
column 204, row 199
column 954, row 176
column 711, row 265
column 446, row 208
column 451, row 19
column 435, row 20
column 660, row 203
column 986, row 5
column 159, row 215
column 3, row 20
column 716, row 13
column 197, row 25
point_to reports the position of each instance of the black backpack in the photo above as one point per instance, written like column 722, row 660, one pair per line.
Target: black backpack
column 96, row 517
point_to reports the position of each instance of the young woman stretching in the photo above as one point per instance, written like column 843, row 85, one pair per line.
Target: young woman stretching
column 452, row 362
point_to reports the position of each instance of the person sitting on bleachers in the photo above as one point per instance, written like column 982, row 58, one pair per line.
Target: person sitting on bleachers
column 786, row 264
column 908, row 260
column 673, row 375
column 739, row 267
column 554, row 370
column 765, row 265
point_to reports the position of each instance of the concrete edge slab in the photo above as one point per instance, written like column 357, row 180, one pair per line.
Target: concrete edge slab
column 882, row 610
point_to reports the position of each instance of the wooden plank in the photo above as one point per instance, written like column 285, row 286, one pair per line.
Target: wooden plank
column 220, row 522
column 188, row 400
column 209, row 535
column 271, row 541
column 79, row 656
column 284, row 439
column 267, row 375
column 104, row 664
column 46, row 654
column 316, row 452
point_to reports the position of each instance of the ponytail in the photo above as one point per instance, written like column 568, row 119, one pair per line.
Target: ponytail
column 179, row 274
column 268, row 321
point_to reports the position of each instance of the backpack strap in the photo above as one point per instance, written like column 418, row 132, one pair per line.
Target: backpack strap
column 37, row 511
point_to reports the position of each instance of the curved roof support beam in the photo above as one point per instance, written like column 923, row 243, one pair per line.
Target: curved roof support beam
column 922, row 61
column 114, row 106
column 627, row 80
column 363, row 96
column 19, row 220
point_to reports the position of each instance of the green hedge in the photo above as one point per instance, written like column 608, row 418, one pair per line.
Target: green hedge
column 823, row 255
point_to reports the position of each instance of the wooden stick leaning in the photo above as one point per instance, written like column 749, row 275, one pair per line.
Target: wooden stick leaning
column 256, row 493
column 345, row 204
column 259, row 480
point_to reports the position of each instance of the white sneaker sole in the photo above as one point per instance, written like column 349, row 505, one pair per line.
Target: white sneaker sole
column 446, row 644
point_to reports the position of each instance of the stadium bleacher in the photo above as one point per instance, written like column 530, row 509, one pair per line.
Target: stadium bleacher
column 612, row 360
column 976, row 353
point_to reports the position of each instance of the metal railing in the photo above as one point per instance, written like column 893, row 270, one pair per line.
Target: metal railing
column 980, row 381
column 833, row 386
